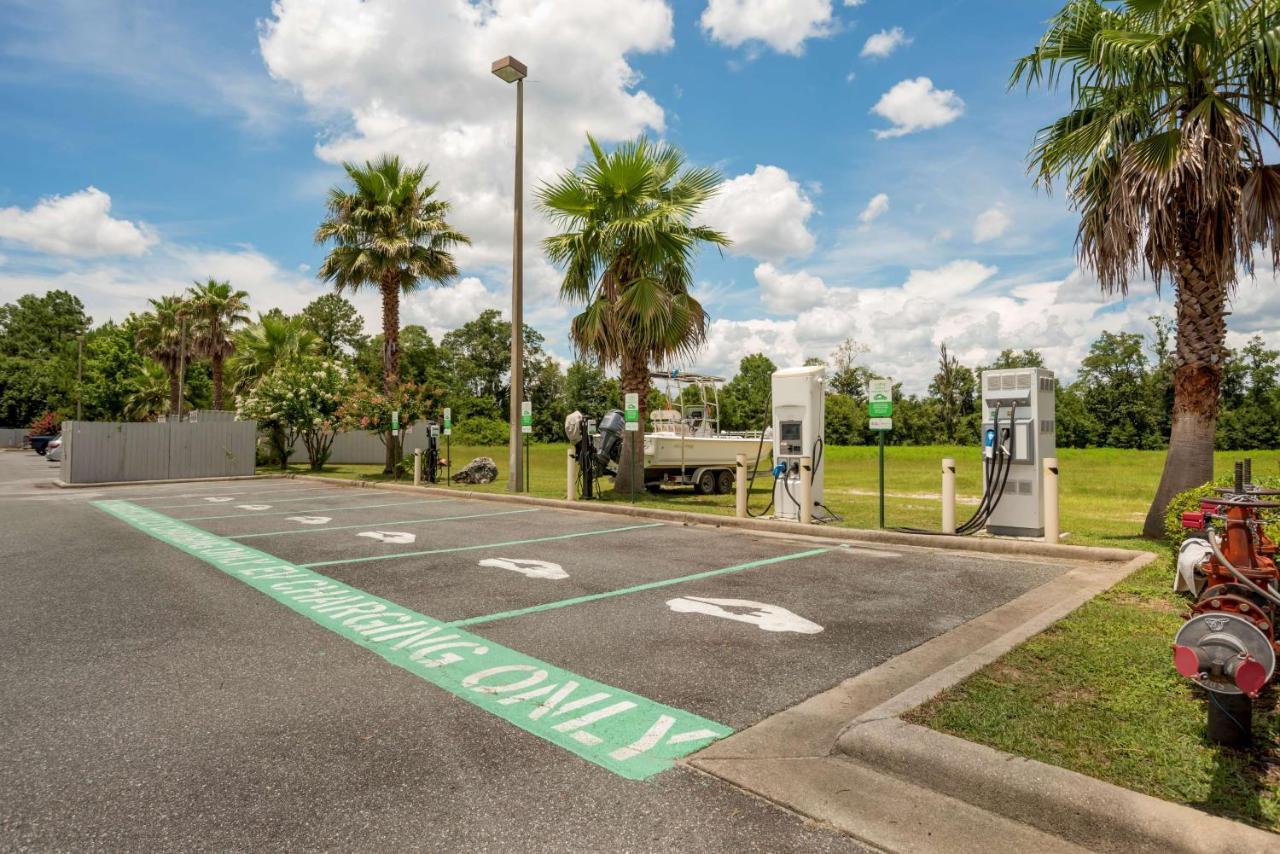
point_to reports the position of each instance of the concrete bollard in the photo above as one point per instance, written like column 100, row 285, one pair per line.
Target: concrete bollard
column 948, row 495
column 1052, row 527
column 740, row 487
column 806, row 490
column 417, row 467
column 571, row 476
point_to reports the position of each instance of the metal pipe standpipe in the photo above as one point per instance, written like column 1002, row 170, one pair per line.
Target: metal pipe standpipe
column 1228, row 644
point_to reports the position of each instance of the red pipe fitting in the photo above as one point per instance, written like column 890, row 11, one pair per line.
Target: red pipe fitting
column 1187, row 662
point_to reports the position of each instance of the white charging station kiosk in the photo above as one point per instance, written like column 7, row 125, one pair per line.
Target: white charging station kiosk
column 1018, row 413
column 799, row 408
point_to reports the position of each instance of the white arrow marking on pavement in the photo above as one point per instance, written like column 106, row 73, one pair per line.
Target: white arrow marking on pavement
column 310, row 520
column 769, row 618
column 531, row 568
column 253, row 506
column 397, row 537
column 219, row 500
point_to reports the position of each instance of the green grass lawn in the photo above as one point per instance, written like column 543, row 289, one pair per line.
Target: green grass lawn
column 1097, row 692
column 1104, row 493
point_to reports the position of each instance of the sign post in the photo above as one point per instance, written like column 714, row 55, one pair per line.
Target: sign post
column 526, row 427
column 394, row 441
column 880, row 413
column 448, row 451
column 631, row 414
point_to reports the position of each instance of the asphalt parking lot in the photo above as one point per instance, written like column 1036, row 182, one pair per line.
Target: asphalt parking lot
column 278, row 664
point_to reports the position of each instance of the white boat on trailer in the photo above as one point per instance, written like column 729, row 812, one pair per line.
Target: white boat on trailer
column 684, row 444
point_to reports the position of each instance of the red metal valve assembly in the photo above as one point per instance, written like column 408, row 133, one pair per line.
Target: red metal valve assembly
column 1228, row 643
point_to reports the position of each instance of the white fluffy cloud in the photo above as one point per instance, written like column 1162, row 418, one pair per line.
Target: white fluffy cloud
column 441, row 309
column 990, row 224
column 916, row 105
column 79, row 224
column 783, row 25
column 962, row 303
column 765, row 213
column 111, row 287
column 788, row 293
column 881, row 44
column 878, row 205
column 412, row 78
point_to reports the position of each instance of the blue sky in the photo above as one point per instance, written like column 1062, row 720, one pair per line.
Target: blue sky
column 875, row 160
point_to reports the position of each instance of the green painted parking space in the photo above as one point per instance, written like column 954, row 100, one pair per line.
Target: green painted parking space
column 258, row 513
column 636, row 588
column 380, row 524
column 482, row 546
column 623, row 732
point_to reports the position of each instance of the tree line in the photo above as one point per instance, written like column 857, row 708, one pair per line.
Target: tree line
column 54, row 358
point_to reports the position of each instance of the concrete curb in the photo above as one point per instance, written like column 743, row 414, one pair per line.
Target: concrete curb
column 1088, row 812
column 62, row 484
column 935, row 683
column 1019, row 548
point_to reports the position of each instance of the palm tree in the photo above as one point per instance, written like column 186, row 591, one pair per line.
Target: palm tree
column 148, row 391
column 216, row 311
column 258, row 349
column 1173, row 104
column 389, row 233
column 627, row 249
column 162, row 335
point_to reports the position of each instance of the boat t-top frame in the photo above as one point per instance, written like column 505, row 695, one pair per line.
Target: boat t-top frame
column 699, row 417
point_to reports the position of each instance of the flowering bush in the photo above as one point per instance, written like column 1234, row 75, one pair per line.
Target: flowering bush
column 47, row 424
column 369, row 408
column 299, row 398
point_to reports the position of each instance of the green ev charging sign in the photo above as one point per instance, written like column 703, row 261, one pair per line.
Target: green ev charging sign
column 448, row 422
column 880, row 398
column 526, row 417
column 395, row 420
column 631, row 411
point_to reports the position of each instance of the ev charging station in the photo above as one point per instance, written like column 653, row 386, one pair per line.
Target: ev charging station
column 1018, row 434
column 799, row 409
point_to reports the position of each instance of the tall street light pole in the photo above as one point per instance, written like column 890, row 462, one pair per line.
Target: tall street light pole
column 79, row 376
column 514, row 71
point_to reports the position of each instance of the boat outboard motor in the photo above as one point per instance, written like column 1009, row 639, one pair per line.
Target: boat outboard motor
column 609, row 442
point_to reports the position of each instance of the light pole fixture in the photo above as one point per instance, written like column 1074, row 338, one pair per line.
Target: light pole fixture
column 514, row 71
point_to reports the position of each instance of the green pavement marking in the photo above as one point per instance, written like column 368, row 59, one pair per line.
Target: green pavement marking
column 320, row 530
column 578, row 600
column 315, row 510
column 251, row 498
column 483, row 546
column 236, row 490
column 627, row 734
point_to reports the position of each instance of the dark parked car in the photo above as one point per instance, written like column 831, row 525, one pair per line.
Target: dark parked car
column 40, row 444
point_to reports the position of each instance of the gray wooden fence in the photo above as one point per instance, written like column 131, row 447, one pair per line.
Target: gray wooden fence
column 11, row 437
column 105, row 452
column 362, row 447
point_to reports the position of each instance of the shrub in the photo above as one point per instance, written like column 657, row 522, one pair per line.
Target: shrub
column 300, row 398
column 480, row 431
column 370, row 408
column 1189, row 500
column 47, row 424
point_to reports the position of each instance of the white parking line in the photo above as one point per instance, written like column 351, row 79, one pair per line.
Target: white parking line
column 311, row 509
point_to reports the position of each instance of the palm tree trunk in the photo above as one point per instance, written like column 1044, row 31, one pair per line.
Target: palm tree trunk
column 216, row 366
column 635, row 378
column 1197, row 378
column 390, row 358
